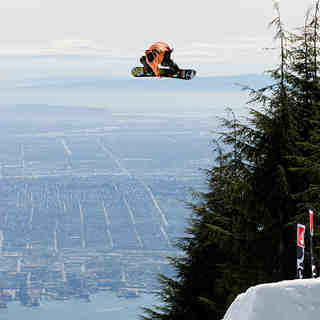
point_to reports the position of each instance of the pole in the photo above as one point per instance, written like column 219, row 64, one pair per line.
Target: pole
column 313, row 264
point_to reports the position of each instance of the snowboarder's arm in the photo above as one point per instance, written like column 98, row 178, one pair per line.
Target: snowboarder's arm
column 154, row 58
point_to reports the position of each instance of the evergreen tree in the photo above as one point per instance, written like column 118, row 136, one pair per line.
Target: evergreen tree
column 266, row 176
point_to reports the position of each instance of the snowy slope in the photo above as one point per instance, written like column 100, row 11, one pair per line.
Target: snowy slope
column 292, row 299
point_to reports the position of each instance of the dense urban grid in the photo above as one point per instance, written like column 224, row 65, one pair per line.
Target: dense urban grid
column 93, row 206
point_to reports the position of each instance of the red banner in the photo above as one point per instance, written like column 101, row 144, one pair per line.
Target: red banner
column 300, row 235
column 311, row 216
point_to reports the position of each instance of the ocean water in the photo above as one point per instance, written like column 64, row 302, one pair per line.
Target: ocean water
column 103, row 306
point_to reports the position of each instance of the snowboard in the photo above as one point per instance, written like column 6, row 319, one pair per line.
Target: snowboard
column 184, row 74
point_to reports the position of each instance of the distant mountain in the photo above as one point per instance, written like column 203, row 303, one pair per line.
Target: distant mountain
column 217, row 83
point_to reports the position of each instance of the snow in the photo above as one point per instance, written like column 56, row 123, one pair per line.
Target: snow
column 291, row 299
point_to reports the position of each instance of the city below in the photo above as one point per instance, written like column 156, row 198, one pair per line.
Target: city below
column 30, row 277
column 93, row 200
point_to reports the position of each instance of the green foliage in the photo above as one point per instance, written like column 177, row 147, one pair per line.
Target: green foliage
column 266, row 176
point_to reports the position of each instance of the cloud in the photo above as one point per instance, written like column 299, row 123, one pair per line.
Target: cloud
column 74, row 44
column 18, row 4
column 63, row 48
column 233, row 51
column 89, row 48
column 75, row 55
column 251, row 43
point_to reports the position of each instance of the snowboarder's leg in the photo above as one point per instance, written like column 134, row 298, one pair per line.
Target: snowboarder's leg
column 143, row 60
column 168, row 62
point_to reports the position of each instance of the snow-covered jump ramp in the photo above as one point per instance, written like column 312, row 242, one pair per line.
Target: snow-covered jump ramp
column 285, row 300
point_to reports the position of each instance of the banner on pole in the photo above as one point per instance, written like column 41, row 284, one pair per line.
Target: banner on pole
column 311, row 217
column 301, row 229
column 300, row 250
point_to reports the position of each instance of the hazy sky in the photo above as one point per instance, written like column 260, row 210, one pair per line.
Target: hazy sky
column 42, row 38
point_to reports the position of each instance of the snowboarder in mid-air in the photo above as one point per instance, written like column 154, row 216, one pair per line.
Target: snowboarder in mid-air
column 160, row 54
